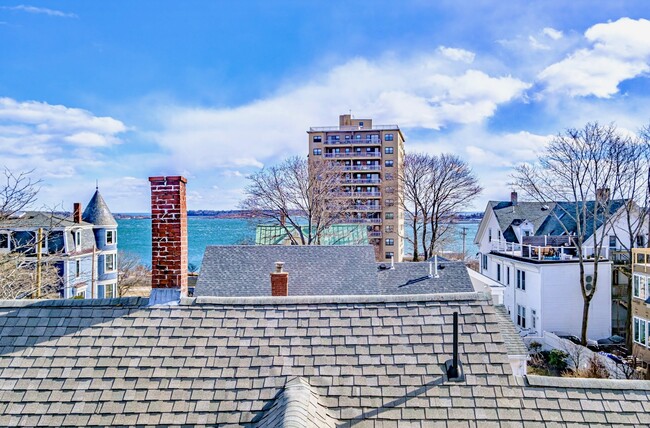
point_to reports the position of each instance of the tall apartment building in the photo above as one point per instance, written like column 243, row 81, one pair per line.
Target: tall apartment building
column 371, row 156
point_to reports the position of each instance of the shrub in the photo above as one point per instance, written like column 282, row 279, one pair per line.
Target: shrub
column 535, row 347
column 557, row 359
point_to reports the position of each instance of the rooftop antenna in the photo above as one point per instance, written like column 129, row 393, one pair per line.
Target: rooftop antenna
column 392, row 262
column 96, row 184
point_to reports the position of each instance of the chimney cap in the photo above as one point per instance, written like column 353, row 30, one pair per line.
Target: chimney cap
column 278, row 267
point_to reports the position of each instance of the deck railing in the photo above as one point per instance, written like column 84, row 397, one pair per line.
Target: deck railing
column 546, row 252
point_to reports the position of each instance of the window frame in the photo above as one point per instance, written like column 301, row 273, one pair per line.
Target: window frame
column 113, row 232
column 389, row 216
column 317, row 152
column 7, row 247
column 113, row 256
column 521, row 316
column 389, row 163
column 77, row 268
column 389, row 150
column 389, row 254
column 389, row 137
column 389, row 242
column 521, row 279
column 637, row 338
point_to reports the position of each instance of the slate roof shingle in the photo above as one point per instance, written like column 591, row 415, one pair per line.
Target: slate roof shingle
column 361, row 361
column 97, row 212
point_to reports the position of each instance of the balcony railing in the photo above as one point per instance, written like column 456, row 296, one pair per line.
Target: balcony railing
column 358, row 142
column 362, row 180
column 358, row 194
column 353, row 128
column 374, row 234
column 365, row 208
column 362, row 168
column 546, row 253
column 363, row 220
column 353, row 155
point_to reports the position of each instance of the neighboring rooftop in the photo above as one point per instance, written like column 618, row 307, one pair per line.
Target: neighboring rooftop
column 336, row 234
column 35, row 219
column 288, row 361
column 413, row 278
column 233, row 270
column 97, row 212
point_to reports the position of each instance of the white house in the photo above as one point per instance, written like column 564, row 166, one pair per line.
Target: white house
column 524, row 246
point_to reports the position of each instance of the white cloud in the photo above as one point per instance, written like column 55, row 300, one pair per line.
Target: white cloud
column 40, row 10
column 456, row 54
column 537, row 45
column 424, row 91
column 552, row 33
column 620, row 50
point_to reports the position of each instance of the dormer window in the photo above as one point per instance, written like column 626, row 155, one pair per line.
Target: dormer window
column 111, row 237
column 77, row 238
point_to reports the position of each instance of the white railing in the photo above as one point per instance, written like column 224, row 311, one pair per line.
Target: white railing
column 353, row 142
column 362, row 168
column 366, row 208
column 362, row 180
column 353, row 128
column 353, row 155
column 545, row 252
column 362, row 220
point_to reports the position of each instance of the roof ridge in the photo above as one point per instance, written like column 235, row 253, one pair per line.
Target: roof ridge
column 283, row 300
column 114, row 302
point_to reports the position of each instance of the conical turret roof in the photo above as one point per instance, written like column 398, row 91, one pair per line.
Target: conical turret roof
column 97, row 212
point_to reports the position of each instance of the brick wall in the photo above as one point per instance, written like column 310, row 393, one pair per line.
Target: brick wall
column 169, row 233
column 279, row 281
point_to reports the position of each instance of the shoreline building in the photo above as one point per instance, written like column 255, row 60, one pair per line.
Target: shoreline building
column 82, row 247
column 372, row 157
column 641, row 306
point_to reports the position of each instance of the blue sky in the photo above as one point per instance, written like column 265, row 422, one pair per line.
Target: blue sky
column 214, row 90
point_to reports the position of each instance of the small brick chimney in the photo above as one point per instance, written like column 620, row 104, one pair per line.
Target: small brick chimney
column 76, row 212
column 513, row 198
column 168, row 233
column 279, row 281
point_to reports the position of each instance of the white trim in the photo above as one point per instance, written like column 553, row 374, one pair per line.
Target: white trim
column 114, row 255
column 114, row 232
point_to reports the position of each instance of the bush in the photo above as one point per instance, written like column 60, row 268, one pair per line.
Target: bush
column 535, row 347
column 557, row 360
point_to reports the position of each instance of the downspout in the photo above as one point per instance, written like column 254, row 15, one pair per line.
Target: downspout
column 92, row 275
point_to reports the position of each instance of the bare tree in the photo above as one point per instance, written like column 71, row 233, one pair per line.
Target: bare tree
column 131, row 274
column 17, row 192
column 301, row 196
column 577, row 169
column 435, row 189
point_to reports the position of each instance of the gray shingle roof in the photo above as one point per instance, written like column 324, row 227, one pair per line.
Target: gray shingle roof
column 413, row 278
column 514, row 343
column 97, row 212
column 534, row 212
column 233, row 270
column 368, row 361
column 35, row 219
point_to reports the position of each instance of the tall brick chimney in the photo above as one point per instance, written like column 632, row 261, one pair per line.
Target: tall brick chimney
column 513, row 198
column 168, row 234
column 279, row 281
column 76, row 212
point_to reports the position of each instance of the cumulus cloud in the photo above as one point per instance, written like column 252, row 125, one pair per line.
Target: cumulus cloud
column 425, row 91
column 619, row 51
column 40, row 10
column 457, row 54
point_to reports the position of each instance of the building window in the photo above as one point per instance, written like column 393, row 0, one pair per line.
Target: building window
column 111, row 237
column 318, row 152
column 390, row 202
column 390, row 216
column 389, row 254
column 390, row 242
column 521, row 316
column 499, row 272
column 389, row 150
column 389, row 176
column 389, row 229
column 317, row 139
column 389, row 163
column 639, row 287
column 77, row 238
column 490, row 234
column 360, row 124
column 499, row 235
column 485, row 262
column 640, row 241
column 521, row 279
column 77, row 272
column 80, row 293
column 640, row 333
column 388, row 137
column 4, row 241
column 110, row 262
column 508, row 275
column 533, row 321
column 612, row 241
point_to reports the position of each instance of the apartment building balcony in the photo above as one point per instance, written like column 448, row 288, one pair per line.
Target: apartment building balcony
column 641, row 260
column 353, row 155
column 362, row 180
column 362, row 168
column 363, row 220
column 353, row 128
column 359, row 194
column 356, row 142
column 539, row 252
column 361, row 207
column 374, row 234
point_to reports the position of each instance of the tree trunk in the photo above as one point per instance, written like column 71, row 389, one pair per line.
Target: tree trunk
column 628, row 312
column 416, row 256
column 585, row 321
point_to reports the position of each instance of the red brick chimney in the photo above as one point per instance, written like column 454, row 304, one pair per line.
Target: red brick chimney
column 513, row 198
column 169, row 233
column 279, row 281
column 76, row 212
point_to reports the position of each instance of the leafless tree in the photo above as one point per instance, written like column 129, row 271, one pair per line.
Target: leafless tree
column 17, row 192
column 131, row 274
column 300, row 195
column 435, row 188
column 577, row 169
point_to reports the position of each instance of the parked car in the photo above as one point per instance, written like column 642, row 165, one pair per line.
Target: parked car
column 612, row 343
column 613, row 357
column 591, row 344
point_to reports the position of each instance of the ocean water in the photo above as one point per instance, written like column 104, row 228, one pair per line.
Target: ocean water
column 134, row 236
